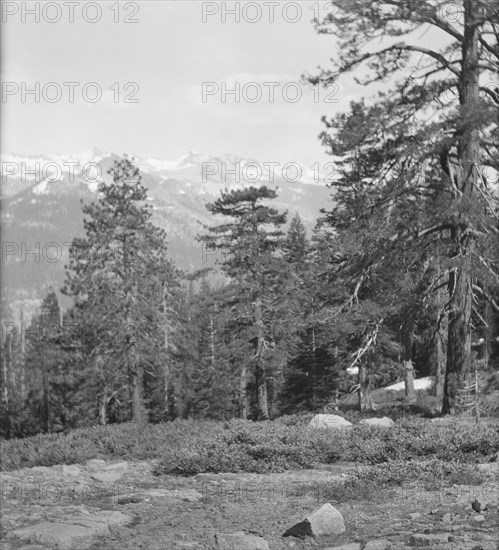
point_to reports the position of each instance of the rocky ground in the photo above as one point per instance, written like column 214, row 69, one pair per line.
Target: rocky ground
column 122, row 506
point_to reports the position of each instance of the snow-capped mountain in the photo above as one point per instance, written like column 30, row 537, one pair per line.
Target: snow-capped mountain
column 41, row 208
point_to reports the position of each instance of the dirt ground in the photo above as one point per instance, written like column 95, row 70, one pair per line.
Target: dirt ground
column 181, row 513
column 268, row 505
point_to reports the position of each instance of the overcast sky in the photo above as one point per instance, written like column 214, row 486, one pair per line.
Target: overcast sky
column 167, row 55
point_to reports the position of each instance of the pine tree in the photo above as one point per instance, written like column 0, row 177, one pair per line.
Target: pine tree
column 296, row 245
column 250, row 240
column 444, row 157
column 119, row 278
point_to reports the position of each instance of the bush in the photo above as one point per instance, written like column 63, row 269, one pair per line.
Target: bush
column 190, row 447
column 241, row 447
column 372, row 483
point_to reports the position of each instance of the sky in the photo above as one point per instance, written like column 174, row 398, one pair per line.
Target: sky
column 150, row 74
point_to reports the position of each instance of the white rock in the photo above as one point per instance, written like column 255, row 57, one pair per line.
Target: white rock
column 326, row 520
column 384, row 422
column 329, row 421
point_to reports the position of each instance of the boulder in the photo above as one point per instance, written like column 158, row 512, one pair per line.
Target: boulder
column 329, row 421
column 384, row 422
column 326, row 520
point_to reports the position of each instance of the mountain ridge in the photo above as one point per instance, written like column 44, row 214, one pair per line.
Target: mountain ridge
column 41, row 207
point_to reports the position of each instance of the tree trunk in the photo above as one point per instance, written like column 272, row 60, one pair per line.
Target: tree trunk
column 243, row 393
column 440, row 360
column 314, row 369
column 365, row 397
column 260, row 370
column 134, row 372
column 263, row 403
column 439, row 355
column 22, row 377
column 137, row 412
column 407, row 336
column 459, row 338
column 46, row 412
column 166, row 367
column 103, row 410
column 7, row 364
column 459, row 331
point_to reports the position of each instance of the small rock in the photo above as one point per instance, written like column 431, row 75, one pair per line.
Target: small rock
column 447, row 518
column 434, row 511
column 415, row 515
column 380, row 544
column 479, row 518
column 479, row 506
column 240, row 541
column 326, row 520
column 384, row 422
column 428, row 540
column 329, row 421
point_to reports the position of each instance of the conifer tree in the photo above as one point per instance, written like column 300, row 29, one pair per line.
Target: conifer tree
column 118, row 279
column 443, row 148
column 250, row 239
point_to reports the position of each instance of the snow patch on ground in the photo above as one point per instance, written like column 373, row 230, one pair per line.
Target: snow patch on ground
column 425, row 383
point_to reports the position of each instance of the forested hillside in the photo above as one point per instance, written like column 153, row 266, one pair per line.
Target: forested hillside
column 398, row 279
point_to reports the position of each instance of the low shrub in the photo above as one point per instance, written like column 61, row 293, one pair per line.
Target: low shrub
column 188, row 447
column 373, row 482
